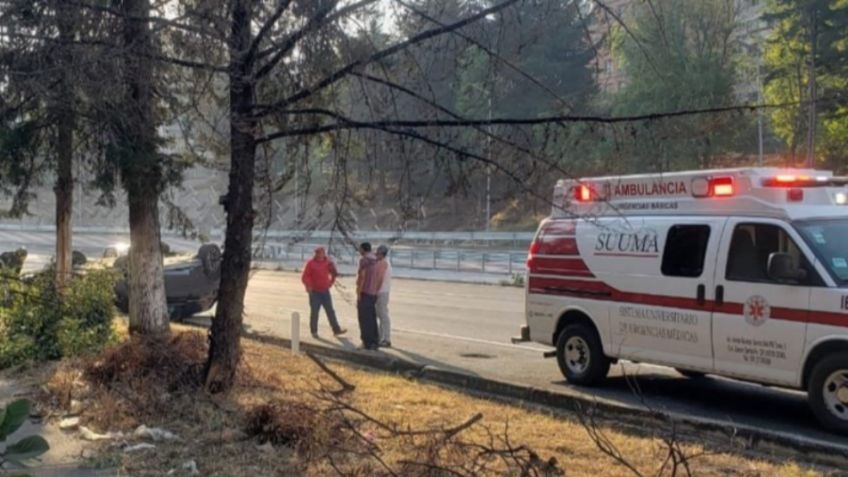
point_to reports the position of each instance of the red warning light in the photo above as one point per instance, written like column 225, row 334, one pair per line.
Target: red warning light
column 787, row 180
column 583, row 193
column 795, row 195
column 722, row 187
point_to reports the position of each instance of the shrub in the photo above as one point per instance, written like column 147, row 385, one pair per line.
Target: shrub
column 35, row 324
column 16, row 349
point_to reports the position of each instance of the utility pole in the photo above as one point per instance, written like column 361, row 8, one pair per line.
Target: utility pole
column 488, row 166
column 759, row 113
column 296, row 193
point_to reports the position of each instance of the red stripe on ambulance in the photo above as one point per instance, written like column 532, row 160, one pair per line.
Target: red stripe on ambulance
column 597, row 290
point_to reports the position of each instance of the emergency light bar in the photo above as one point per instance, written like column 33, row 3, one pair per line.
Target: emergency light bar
column 718, row 184
column 767, row 190
column 803, row 181
column 713, row 187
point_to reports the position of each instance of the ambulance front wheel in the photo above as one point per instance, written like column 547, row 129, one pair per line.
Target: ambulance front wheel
column 827, row 392
column 580, row 355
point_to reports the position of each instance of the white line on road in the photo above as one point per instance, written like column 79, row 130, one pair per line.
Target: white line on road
column 472, row 340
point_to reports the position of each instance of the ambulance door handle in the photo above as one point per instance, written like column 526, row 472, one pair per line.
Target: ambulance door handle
column 719, row 298
column 702, row 292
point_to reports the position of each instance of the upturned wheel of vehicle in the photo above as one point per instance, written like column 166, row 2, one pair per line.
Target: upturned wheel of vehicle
column 691, row 374
column 210, row 258
column 827, row 391
column 78, row 258
column 580, row 355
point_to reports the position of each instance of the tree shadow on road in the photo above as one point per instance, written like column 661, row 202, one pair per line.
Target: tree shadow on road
column 712, row 398
column 426, row 361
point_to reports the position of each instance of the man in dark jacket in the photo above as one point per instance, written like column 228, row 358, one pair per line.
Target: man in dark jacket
column 319, row 275
column 368, row 283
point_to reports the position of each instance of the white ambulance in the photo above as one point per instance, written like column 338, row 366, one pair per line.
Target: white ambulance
column 737, row 272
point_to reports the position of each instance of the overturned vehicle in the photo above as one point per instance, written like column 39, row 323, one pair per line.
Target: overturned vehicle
column 191, row 281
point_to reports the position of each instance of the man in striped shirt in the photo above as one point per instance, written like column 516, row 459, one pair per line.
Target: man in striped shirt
column 368, row 283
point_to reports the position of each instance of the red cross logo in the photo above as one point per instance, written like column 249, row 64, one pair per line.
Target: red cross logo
column 756, row 310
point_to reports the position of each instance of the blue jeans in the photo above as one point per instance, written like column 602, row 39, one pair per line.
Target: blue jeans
column 367, row 311
column 317, row 299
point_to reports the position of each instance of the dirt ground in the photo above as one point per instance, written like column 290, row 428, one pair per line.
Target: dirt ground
column 289, row 417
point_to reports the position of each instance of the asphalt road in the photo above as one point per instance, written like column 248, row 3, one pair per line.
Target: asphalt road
column 467, row 327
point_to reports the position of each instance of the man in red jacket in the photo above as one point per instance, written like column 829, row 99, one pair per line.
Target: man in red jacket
column 319, row 275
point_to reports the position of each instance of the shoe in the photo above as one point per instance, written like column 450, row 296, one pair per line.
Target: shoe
column 385, row 344
column 373, row 348
column 314, row 334
column 340, row 332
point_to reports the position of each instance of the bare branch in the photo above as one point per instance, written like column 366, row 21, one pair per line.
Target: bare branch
column 316, row 22
column 630, row 33
column 347, row 124
column 379, row 55
column 346, row 386
column 492, row 54
column 282, row 6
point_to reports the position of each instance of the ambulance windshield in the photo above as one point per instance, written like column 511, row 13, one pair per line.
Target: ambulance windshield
column 827, row 238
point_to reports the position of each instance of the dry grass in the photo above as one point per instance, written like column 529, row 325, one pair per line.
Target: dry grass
column 281, row 420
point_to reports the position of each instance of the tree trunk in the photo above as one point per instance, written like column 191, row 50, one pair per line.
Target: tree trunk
column 225, row 350
column 64, row 191
column 812, row 119
column 148, row 308
column 142, row 176
column 64, row 187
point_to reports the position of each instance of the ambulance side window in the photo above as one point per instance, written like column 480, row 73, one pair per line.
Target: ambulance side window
column 685, row 248
column 750, row 247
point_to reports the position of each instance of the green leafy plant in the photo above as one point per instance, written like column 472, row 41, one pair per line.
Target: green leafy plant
column 25, row 450
column 36, row 323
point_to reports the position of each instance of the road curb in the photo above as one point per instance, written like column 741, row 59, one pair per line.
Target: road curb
column 744, row 438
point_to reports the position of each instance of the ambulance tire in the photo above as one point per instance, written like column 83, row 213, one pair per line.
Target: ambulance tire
column 821, row 399
column 579, row 346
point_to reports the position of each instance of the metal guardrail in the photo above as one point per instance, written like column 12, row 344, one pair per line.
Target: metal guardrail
column 286, row 246
column 409, row 235
column 452, row 260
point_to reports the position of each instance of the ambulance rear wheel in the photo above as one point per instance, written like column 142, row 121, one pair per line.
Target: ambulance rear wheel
column 580, row 355
column 827, row 392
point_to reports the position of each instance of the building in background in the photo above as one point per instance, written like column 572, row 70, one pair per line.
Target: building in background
column 602, row 21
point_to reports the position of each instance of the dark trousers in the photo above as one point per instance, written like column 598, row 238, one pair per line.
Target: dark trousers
column 317, row 299
column 367, row 311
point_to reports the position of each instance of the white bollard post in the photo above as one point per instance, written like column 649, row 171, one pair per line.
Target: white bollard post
column 295, row 332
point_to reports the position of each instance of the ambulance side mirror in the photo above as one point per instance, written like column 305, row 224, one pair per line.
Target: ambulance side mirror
column 782, row 268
